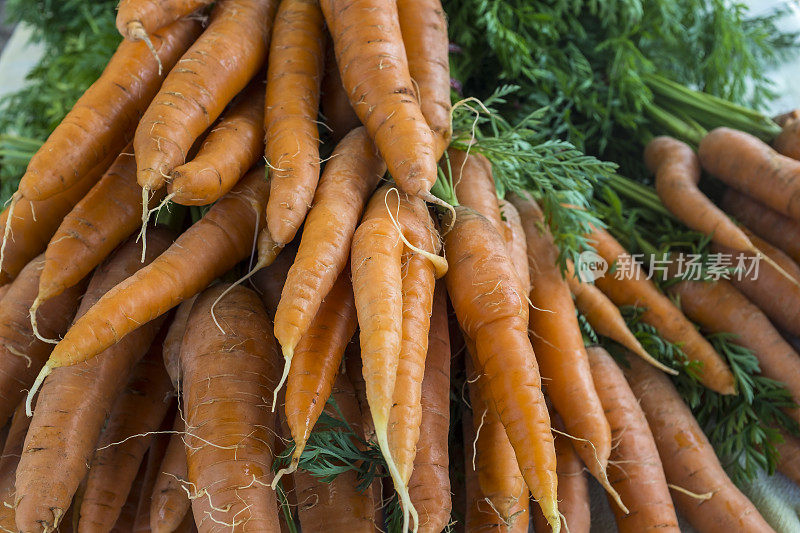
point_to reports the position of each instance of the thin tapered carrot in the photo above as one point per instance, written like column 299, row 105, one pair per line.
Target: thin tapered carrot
column 218, row 66
column 155, row 456
column 294, row 74
column 169, row 502
column 630, row 286
column 688, row 458
column 12, row 449
column 226, row 379
column 335, row 107
column 269, row 282
column 74, row 403
column 127, row 516
column 374, row 67
column 137, row 412
column 98, row 223
column 21, row 353
column 474, row 186
column 429, row 486
column 751, row 166
column 100, row 124
column 138, row 18
column 354, row 370
column 424, row 27
column 33, row 223
column 776, row 228
column 789, row 463
column 171, row 349
column 219, row 240
column 483, row 287
column 349, row 179
column 606, row 319
column 234, row 144
column 635, row 468
column 516, row 243
column 558, row 343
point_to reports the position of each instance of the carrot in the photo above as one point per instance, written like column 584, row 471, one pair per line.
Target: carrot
column 127, row 515
column 789, row 463
column 137, row 412
column 33, row 223
column 218, row 66
column 269, row 282
column 354, row 370
column 474, row 186
column 635, row 289
column 100, row 123
column 227, row 153
column 294, row 74
column 424, row 28
column 226, row 378
column 21, row 353
column 375, row 73
column 689, row 460
column 605, row 318
column 749, row 165
column 429, row 486
column 138, row 18
column 336, row 506
column 155, row 456
column 786, row 141
column 171, row 349
column 4, row 290
column 74, row 403
column 213, row 245
column 334, row 104
column 12, row 449
column 558, row 343
column 516, row 243
column 718, row 307
column 573, row 487
column 775, row 295
column 169, row 500
column 783, row 120
column 483, row 288
column 772, row 226
column 348, row 181
column 635, row 469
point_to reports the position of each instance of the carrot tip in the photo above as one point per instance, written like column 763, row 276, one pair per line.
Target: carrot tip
column 46, row 369
column 283, row 471
column 34, row 325
column 409, row 512
column 7, row 229
column 287, row 355
column 136, row 32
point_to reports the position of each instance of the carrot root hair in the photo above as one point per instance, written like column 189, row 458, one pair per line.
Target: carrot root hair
column 410, row 516
column 43, row 373
column 696, row 496
column 439, row 262
column 289, row 469
column 7, row 230
column 137, row 33
column 288, row 355
column 146, row 216
column 776, row 266
column 34, row 325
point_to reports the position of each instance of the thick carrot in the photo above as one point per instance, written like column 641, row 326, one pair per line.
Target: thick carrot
column 635, row 469
column 688, row 458
column 155, row 456
column 605, row 318
column 228, row 379
column 474, row 186
column 573, row 487
column 171, row 349
column 213, row 245
column 348, row 181
column 99, row 125
column 429, row 487
column 767, row 287
column 516, row 243
column 169, row 500
column 718, row 307
column 98, row 223
column 334, row 104
column 138, row 18
column 374, row 68
column 270, row 281
column 294, row 74
column 21, row 353
column 336, row 506
column 218, row 66
column 749, row 165
column 234, row 145
column 74, row 403
column 137, row 412
column 33, row 223
column 786, row 141
column 424, row 27
column 789, row 463
column 772, row 226
column 558, row 343
column 4, row 290
column 12, row 449
column 635, row 289
column 127, row 516
column 483, row 287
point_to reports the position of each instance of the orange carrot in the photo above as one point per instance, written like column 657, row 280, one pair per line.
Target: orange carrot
column 516, row 243
column 374, row 68
column 74, row 403
column 348, row 181
column 689, row 460
column 137, row 412
column 222, row 238
column 354, row 370
column 429, row 487
column 226, row 378
column 100, row 123
column 234, row 145
column 138, row 18
column 483, row 287
column 127, row 515
column 21, row 353
column 749, row 165
column 789, row 464
column 633, row 288
column 635, row 469
column 786, row 141
column 474, row 186
column 334, row 104
column 294, row 74
column 218, row 66
column 12, row 449
column 169, row 500
column 424, row 28
column 270, row 281
column 171, row 349
column 155, row 456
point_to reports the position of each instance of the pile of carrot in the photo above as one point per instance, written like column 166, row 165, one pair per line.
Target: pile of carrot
column 166, row 369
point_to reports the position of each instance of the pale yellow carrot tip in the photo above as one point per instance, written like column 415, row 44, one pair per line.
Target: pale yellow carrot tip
column 549, row 508
column 641, row 352
column 43, row 373
column 439, row 263
column 410, row 516
column 288, row 470
column 136, row 33
column 7, row 230
column 613, row 493
column 34, row 325
column 287, row 365
column 776, row 266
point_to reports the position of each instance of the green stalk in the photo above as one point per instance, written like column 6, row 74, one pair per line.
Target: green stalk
column 641, row 194
column 690, row 133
